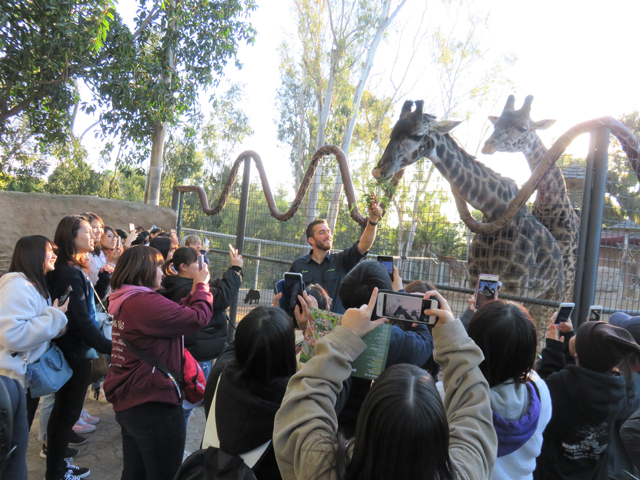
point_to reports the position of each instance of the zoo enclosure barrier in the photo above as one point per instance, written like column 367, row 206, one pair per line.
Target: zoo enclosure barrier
column 259, row 238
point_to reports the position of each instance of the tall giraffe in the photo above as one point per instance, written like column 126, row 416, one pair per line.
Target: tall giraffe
column 524, row 254
column 515, row 132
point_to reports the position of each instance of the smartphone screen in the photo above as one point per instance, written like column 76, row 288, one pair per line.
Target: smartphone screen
column 564, row 312
column 487, row 291
column 293, row 286
column 206, row 242
column 387, row 262
column 132, row 227
column 595, row 313
column 400, row 306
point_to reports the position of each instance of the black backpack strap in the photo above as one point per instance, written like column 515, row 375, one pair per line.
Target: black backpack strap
column 177, row 381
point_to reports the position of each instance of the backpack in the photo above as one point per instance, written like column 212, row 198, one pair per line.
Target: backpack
column 214, row 464
column 193, row 378
column 6, row 426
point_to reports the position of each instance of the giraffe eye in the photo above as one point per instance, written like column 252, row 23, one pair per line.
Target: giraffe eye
column 417, row 138
column 522, row 129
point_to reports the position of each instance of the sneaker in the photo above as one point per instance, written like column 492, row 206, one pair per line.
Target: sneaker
column 75, row 439
column 91, row 420
column 77, row 472
column 82, row 427
column 69, row 453
column 67, row 476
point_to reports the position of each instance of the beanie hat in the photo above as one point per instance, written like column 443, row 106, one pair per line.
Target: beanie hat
column 629, row 323
column 600, row 346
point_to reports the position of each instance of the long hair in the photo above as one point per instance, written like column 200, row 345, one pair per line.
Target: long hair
column 183, row 255
column 265, row 345
column 137, row 266
column 164, row 245
column 507, row 337
column 402, row 431
column 90, row 217
column 28, row 259
column 64, row 238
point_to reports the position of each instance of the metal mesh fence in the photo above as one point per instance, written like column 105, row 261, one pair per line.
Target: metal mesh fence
column 535, row 256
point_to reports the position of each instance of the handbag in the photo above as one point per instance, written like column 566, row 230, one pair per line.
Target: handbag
column 105, row 319
column 99, row 367
column 191, row 378
column 47, row 374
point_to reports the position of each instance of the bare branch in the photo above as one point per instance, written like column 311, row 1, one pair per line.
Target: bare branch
column 153, row 14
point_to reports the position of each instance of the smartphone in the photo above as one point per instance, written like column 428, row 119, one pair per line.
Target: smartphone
column 201, row 262
column 132, row 227
column 564, row 312
column 65, row 295
column 405, row 306
column 293, row 286
column 206, row 242
column 388, row 264
column 595, row 313
column 118, row 242
column 153, row 227
column 486, row 289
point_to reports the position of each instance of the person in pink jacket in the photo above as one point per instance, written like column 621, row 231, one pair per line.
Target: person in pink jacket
column 148, row 404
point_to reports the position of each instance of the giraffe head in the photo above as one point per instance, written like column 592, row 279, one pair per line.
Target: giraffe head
column 514, row 131
column 412, row 138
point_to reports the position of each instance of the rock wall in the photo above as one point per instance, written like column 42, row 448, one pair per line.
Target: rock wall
column 38, row 214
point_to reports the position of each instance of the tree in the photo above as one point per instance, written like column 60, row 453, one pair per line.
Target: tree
column 73, row 175
column 43, row 47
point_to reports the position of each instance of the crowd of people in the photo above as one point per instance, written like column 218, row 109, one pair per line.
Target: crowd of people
column 454, row 400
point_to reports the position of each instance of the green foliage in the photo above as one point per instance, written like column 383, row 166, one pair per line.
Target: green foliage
column 44, row 46
column 73, row 176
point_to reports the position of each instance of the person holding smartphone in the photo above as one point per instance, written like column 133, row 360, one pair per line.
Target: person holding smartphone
column 404, row 430
column 328, row 269
column 207, row 343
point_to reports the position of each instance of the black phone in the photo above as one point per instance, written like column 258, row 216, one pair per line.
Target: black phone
column 65, row 295
column 388, row 264
column 201, row 262
column 405, row 306
column 293, row 286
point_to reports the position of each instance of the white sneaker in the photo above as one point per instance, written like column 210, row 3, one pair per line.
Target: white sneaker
column 82, row 427
column 91, row 420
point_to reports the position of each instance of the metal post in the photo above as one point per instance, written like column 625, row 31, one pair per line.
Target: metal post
column 242, row 223
column 180, row 210
column 598, row 158
column 255, row 282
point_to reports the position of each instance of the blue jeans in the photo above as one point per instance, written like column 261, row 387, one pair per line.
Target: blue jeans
column 206, row 368
column 153, row 437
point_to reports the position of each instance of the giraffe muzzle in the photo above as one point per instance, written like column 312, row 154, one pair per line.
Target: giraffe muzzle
column 489, row 147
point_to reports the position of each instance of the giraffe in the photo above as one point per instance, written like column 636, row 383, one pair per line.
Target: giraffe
column 457, row 269
column 524, row 254
column 514, row 131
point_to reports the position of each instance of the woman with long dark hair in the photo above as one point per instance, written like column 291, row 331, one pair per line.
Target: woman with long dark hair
column 147, row 402
column 28, row 318
column 79, row 344
column 251, row 377
column 403, row 430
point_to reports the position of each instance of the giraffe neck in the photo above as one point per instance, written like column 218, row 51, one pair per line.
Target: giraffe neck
column 477, row 184
column 552, row 184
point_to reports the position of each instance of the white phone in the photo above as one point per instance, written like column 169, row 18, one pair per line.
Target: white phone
column 406, row 307
column 595, row 313
column 564, row 312
column 486, row 289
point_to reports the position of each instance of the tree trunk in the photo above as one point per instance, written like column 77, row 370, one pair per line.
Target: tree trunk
column 416, row 203
column 299, row 162
column 324, row 107
column 384, row 22
column 154, row 178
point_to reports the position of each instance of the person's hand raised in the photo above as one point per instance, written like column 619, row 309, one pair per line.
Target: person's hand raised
column 236, row 258
column 202, row 276
column 443, row 313
column 276, row 300
column 302, row 317
column 358, row 320
column 397, row 281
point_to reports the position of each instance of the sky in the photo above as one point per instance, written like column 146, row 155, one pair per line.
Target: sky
column 575, row 56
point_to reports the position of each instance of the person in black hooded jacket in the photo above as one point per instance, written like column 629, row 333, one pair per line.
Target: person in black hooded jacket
column 587, row 401
column 208, row 343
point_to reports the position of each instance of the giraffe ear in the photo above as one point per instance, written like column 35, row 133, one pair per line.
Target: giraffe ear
column 445, row 126
column 493, row 119
column 542, row 124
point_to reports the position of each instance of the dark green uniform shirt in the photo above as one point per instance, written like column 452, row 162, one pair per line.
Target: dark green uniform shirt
column 330, row 272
